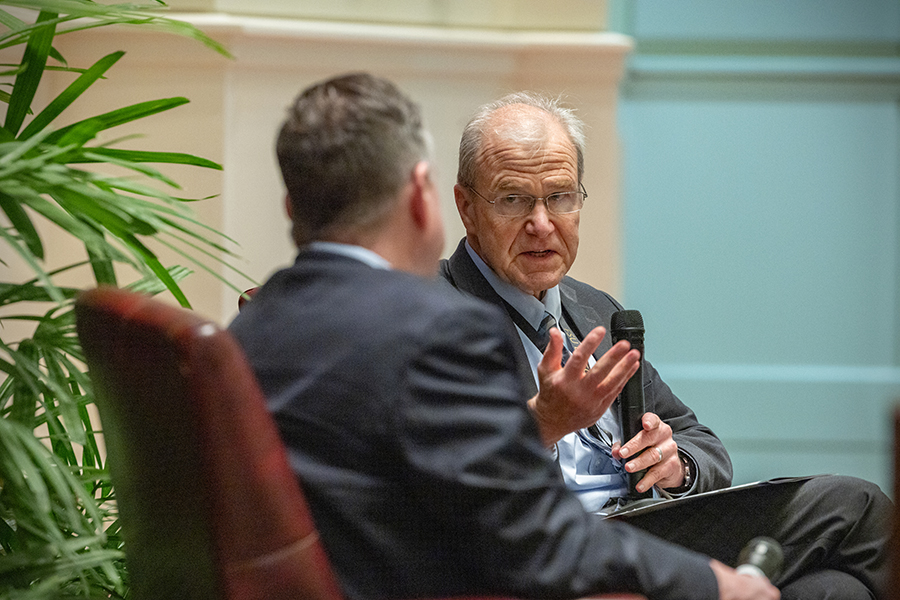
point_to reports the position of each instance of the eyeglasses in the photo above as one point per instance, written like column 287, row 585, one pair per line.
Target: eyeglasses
column 518, row 205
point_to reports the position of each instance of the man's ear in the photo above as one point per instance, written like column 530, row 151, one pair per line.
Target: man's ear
column 289, row 209
column 420, row 208
column 464, row 205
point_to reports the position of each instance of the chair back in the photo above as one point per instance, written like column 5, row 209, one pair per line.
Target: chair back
column 246, row 297
column 208, row 503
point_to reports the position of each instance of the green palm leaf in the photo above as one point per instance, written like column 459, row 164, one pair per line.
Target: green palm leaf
column 34, row 61
column 11, row 22
column 79, row 15
column 20, row 221
column 129, row 157
column 83, row 131
column 70, row 94
column 59, row 533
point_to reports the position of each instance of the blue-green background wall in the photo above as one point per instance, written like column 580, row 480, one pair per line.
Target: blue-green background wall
column 761, row 196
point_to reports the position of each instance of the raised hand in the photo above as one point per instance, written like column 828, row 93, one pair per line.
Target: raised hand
column 571, row 397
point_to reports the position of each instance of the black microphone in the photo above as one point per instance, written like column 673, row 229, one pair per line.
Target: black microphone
column 629, row 325
column 762, row 557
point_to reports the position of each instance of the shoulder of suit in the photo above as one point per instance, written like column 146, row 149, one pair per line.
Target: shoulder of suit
column 444, row 270
column 586, row 294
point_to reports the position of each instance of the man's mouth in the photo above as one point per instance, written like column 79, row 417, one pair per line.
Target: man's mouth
column 539, row 253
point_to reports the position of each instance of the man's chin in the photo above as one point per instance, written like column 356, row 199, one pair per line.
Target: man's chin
column 536, row 286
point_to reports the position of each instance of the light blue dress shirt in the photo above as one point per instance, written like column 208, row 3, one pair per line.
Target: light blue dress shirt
column 361, row 254
column 587, row 467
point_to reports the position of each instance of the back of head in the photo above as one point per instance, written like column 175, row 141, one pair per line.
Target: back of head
column 345, row 150
column 483, row 122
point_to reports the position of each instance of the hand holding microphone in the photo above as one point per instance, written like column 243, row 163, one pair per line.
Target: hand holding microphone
column 759, row 562
column 761, row 557
column 629, row 325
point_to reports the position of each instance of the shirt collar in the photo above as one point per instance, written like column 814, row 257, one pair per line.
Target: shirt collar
column 376, row 261
column 527, row 305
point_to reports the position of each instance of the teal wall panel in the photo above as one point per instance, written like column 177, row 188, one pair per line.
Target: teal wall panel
column 781, row 421
column 761, row 203
column 774, row 219
column 743, row 20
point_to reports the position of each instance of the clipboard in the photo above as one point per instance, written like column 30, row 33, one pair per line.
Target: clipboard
column 650, row 505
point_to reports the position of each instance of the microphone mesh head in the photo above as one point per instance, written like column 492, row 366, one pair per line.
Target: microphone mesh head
column 763, row 554
column 626, row 319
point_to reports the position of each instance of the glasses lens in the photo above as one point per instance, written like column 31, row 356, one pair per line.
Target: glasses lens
column 516, row 205
column 513, row 206
column 565, row 202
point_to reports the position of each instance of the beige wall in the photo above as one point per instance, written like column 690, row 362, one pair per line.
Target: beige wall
column 571, row 15
column 237, row 105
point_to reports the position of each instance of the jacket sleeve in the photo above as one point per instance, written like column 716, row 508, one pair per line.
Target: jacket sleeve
column 476, row 460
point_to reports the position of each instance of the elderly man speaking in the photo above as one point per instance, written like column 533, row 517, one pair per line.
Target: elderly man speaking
column 519, row 193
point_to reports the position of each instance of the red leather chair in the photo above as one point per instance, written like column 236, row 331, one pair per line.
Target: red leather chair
column 209, row 505
column 246, row 297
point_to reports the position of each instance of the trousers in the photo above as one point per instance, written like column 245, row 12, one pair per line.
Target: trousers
column 833, row 530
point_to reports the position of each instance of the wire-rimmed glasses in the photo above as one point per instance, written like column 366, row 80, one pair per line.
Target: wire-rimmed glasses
column 518, row 205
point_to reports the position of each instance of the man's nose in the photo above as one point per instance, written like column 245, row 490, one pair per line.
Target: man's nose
column 538, row 220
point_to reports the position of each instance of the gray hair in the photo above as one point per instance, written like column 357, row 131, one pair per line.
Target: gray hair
column 346, row 150
column 474, row 132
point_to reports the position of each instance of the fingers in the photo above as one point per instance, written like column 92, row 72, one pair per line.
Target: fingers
column 608, row 375
column 584, row 350
column 653, row 432
column 666, row 473
column 552, row 357
column 613, row 370
column 736, row 586
column 571, row 398
column 582, row 354
column 650, row 421
column 655, row 451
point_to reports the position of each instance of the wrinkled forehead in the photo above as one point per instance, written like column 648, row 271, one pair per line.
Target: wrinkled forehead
column 525, row 137
column 521, row 124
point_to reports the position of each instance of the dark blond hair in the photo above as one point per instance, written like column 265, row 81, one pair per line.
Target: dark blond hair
column 345, row 150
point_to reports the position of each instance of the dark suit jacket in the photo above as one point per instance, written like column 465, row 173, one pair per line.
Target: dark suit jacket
column 585, row 308
column 424, row 470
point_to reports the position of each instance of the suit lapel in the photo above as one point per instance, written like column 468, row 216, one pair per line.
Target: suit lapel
column 582, row 318
column 460, row 271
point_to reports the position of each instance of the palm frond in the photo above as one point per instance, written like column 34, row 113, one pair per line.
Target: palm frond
column 79, row 15
column 59, row 532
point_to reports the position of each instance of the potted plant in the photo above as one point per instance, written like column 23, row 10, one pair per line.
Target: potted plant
column 59, row 535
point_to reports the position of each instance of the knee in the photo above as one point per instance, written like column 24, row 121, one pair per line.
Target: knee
column 826, row 584
column 864, row 491
column 856, row 497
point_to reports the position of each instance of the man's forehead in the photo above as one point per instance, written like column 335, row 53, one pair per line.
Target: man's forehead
column 520, row 122
column 519, row 127
column 508, row 161
column 558, row 179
